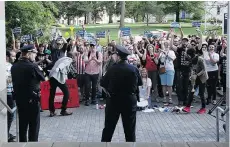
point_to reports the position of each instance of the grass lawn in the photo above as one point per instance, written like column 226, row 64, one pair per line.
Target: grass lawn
column 136, row 29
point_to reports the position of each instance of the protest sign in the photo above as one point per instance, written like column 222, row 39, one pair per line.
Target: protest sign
column 39, row 33
column 80, row 33
column 196, row 24
column 17, row 30
column 175, row 25
column 125, row 32
column 26, row 38
column 101, row 34
column 73, row 98
column 89, row 37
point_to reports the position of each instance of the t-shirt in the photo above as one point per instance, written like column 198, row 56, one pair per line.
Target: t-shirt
column 150, row 63
column 166, row 60
column 143, row 90
column 41, row 57
column 184, row 64
column 209, row 65
column 223, row 63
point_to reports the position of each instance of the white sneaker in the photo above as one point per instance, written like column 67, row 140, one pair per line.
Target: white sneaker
column 164, row 100
column 170, row 101
column 214, row 102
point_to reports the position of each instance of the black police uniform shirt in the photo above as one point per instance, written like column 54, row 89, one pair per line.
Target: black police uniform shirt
column 56, row 54
column 26, row 78
column 183, row 63
column 223, row 63
column 122, row 79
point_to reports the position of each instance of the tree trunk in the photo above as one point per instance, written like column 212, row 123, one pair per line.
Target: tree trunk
column 178, row 12
column 85, row 19
column 89, row 17
column 122, row 24
column 110, row 18
column 68, row 20
column 147, row 19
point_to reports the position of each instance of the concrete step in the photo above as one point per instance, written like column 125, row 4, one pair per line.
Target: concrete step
column 116, row 144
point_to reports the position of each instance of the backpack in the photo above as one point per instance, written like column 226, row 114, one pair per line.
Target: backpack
column 90, row 53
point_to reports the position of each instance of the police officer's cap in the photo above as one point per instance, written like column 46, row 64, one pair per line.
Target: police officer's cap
column 29, row 48
column 122, row 51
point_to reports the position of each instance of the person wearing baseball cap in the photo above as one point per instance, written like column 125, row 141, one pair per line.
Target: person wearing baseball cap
column 120, row 83
column 26, row 78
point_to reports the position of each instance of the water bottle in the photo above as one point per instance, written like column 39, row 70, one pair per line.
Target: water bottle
column 97, row 106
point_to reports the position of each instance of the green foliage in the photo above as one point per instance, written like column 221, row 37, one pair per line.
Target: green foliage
column 30, row 16
column 197, row 15
column 175, row 7
column 186, row 20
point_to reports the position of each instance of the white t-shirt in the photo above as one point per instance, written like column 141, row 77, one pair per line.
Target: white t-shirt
column 168, row 59
column 209, row 65
column 144, row 89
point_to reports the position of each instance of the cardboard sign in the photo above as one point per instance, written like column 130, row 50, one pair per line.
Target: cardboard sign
column 125, row 32
column 225, row 30
column 89, row 37
column 39, row 33
column 80, row 33
column 26, row 38
column 101, row 34
column 175, row 25
column 73, row 95
column 17, row 30
column 196, row 24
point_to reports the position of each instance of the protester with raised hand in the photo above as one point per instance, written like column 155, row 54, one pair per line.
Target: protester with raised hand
column 166, row 70
column 151, row 58
column 184, row 64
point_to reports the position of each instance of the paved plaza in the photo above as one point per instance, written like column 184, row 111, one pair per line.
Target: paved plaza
column 86, row 124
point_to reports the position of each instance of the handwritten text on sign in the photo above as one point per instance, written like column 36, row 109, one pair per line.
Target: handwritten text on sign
column 73, row 95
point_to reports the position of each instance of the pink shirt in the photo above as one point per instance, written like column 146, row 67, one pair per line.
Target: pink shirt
column 93, row 67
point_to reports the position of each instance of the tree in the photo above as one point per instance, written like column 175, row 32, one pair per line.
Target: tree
column 111, row 7
column 175, row 7
column 30, row 16
column 122, row 18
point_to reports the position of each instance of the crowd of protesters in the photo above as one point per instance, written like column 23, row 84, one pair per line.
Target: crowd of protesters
column 168, row 63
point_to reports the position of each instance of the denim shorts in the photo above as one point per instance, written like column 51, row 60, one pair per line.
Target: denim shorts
column 167, row 78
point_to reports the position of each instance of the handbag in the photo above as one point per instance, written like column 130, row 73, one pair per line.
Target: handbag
column 162, row 70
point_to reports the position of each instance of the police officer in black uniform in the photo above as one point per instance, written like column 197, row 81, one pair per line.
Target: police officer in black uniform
column 26, row 78
column 121, row 84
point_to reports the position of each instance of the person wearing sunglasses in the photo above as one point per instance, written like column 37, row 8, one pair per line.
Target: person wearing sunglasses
column 58, row 49
column 212, row 69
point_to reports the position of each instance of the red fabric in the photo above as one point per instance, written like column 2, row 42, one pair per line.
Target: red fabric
column 73, row 97
column 150, row 64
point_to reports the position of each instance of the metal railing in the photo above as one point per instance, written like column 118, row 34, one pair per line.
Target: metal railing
column 223, row 112
column 16, row 116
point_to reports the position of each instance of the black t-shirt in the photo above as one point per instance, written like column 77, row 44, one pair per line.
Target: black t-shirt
column 223, row 63
column 183, row 62
column 41, row 57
